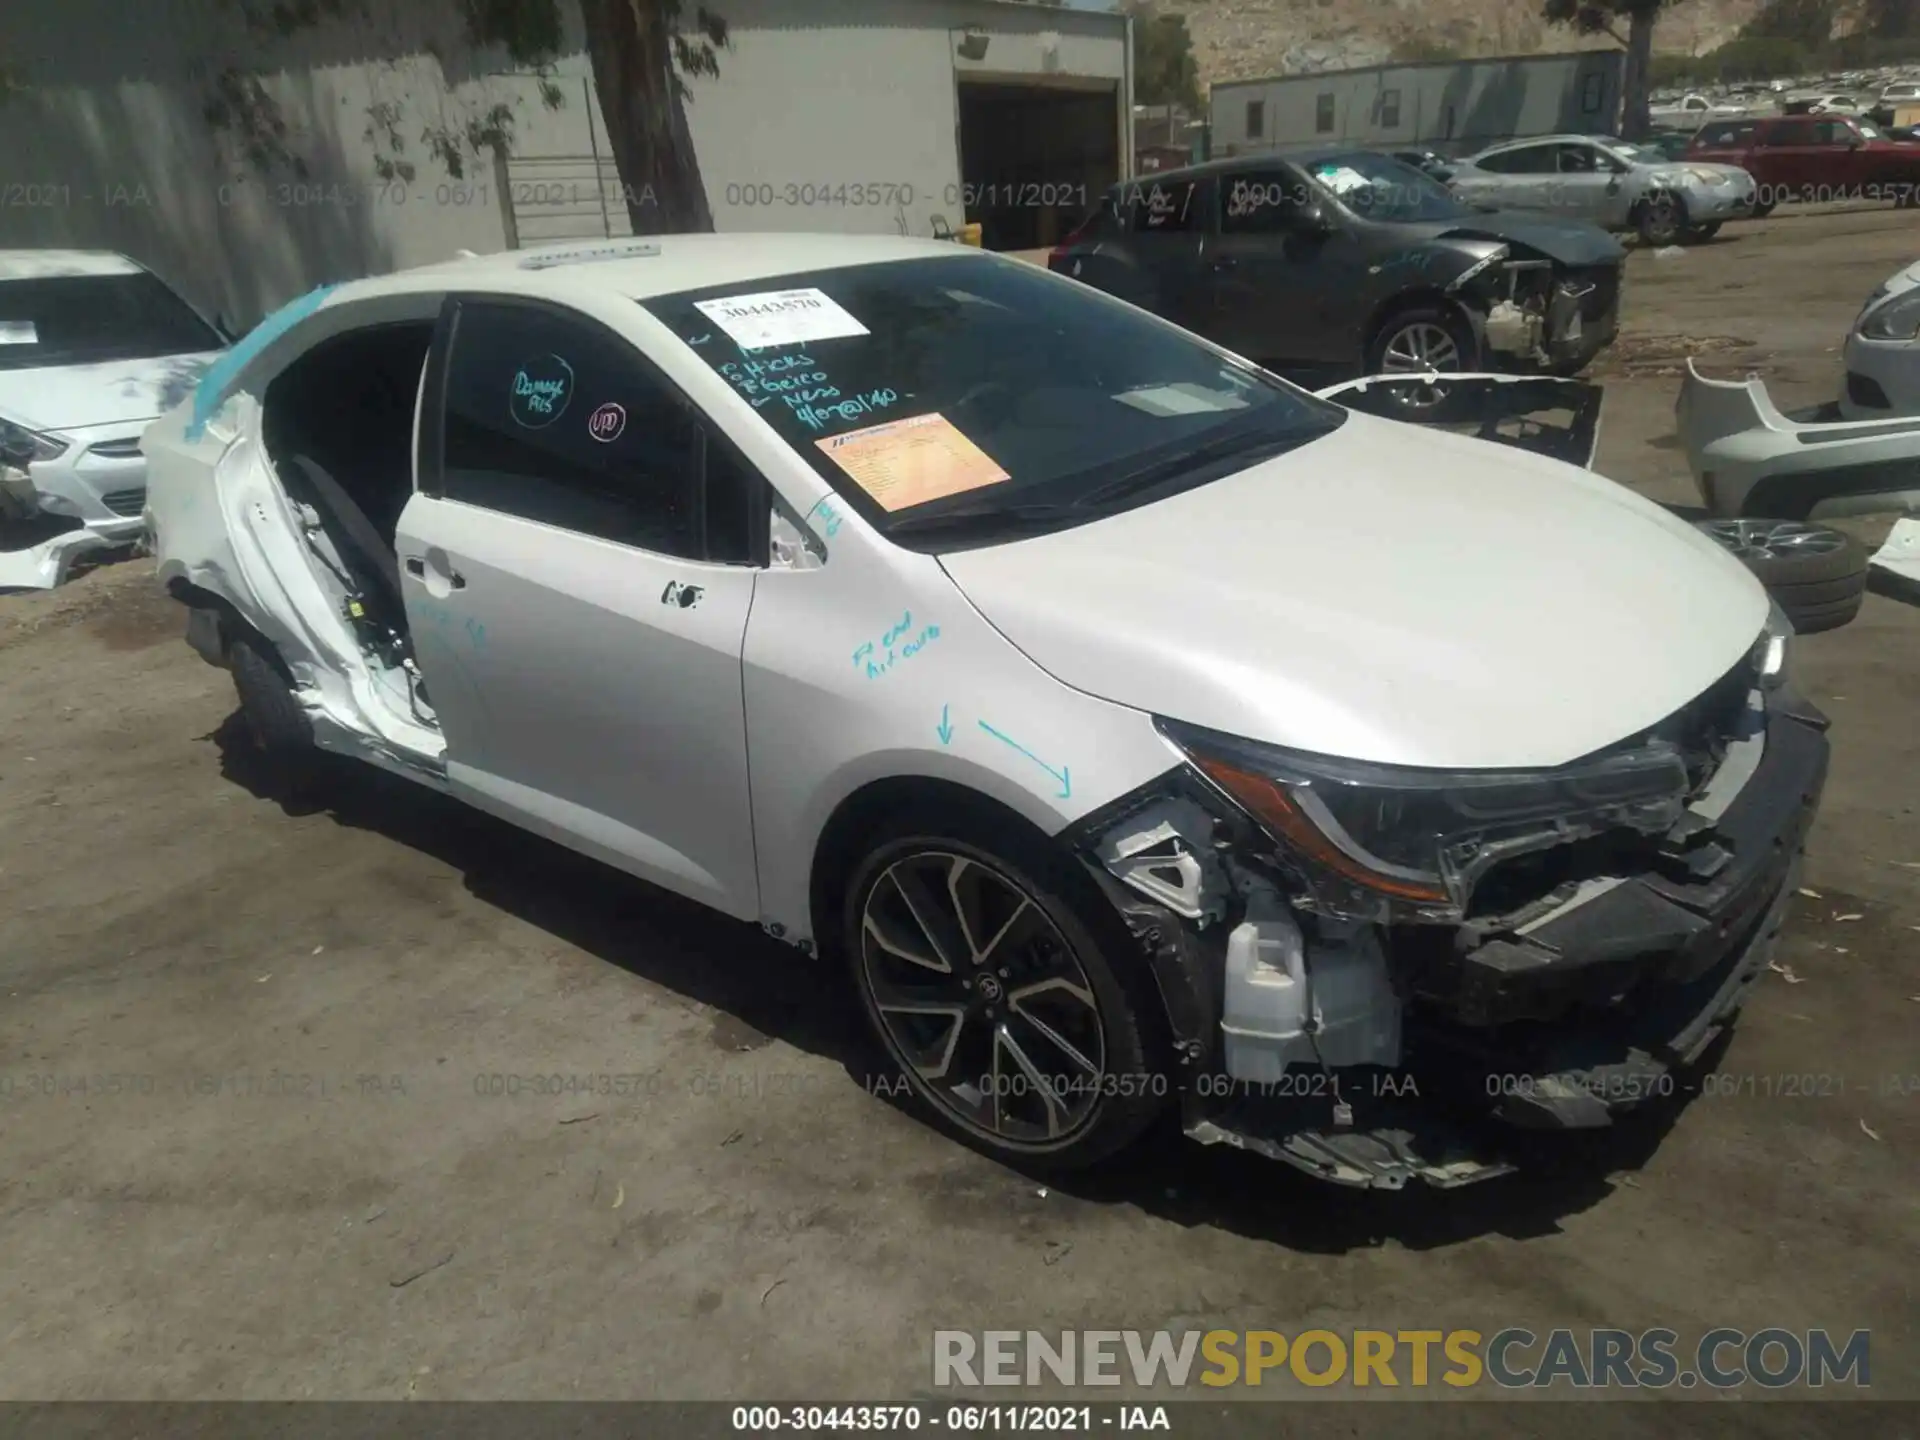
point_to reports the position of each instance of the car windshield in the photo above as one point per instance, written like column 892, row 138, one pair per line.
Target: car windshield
column 82, row 319
column 1379, row 187
column 966, row 399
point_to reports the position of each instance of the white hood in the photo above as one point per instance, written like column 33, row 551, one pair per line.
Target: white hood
column 112, row 392
column 1385, row 593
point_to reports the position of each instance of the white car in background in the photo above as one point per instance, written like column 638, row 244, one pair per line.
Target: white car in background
column 1883, row 352
column 92, row 348
column 1136, row 731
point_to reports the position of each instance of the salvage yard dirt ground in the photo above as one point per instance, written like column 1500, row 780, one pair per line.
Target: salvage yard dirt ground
column 297, row 1188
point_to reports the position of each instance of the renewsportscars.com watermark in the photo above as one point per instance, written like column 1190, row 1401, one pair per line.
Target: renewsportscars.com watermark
column 1514, row 1358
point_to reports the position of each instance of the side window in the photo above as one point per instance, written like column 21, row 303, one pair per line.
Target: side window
column 1578, row 160
column 1832, row 132
column 1259, row 202
column 1790, row 132
column 1390, row 109
column 1256, row 118
column 1590, row 95
column 1163, row 207
column 1528, row 160
column 552, row 418
column 1323, row 113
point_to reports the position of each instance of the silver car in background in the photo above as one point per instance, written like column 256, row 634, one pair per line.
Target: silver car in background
column 1610, row 182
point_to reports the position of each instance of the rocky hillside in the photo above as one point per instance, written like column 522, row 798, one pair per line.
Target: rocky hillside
column 1245, row 39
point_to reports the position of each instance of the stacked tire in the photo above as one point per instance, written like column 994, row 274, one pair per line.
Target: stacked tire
column 1816, row 574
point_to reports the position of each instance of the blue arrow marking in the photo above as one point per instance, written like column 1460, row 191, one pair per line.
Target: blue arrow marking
column 1062, row 774
column 945, row 727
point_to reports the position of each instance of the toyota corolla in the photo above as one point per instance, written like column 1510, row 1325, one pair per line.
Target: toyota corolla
column 1128, row 729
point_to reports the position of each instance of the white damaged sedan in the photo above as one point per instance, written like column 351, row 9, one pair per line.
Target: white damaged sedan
column 1133, row 730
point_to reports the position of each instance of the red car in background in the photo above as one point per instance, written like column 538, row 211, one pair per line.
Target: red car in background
column 1813, row 159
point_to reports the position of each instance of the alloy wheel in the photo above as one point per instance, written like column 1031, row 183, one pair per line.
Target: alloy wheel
column 981, row 997
column 1421, row 348
column 1773, row 539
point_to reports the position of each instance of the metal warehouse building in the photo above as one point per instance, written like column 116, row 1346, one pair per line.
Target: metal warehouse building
column 881, row 116
column 1453, row 106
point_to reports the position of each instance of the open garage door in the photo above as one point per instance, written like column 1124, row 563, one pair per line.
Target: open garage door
column 1034, row 157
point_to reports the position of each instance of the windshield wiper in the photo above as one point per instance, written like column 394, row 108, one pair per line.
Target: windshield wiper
column 1034, row 515
column 1181, row 466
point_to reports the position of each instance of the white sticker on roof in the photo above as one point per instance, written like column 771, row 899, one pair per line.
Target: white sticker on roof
column 780, row 317
column 18, row 332
column 1341, row 178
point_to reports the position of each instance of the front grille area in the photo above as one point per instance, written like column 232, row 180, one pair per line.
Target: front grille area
column 126, row 502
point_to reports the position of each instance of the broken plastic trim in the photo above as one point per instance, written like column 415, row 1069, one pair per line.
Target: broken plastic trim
column 1383, row 842
column 1511, row 410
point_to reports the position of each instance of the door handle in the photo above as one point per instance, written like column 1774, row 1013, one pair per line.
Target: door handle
column 417, row 567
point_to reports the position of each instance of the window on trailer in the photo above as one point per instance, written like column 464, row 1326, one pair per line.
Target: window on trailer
column 1323, row 113
column 1390, row 109
column 1256, row 118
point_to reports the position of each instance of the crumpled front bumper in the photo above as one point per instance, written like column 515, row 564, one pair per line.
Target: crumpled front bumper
column 1587, row 1011
column 1558, row 1020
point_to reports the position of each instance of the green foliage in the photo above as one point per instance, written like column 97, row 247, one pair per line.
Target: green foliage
column 1164, row 70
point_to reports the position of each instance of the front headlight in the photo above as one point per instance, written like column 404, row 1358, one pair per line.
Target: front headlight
column 1711, row 177
column 1382, row 842
column 21, row 446
column 1896, row 319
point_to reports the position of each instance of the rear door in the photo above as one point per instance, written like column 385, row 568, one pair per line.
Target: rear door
column 1523, row 177
column 577, row 567
column 1789, row 159
column 1165, row 221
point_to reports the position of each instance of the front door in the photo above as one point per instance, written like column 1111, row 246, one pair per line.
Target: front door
column 576, row 577
column 1279, row 291
column 1590, row 187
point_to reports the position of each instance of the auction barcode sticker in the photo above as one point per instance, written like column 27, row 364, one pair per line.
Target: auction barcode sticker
column 780, row 317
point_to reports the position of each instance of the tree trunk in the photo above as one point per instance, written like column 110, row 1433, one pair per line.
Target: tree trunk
column 1634, row 122
column 630, row 43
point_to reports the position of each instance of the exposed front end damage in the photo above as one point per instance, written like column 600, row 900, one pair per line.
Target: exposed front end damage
column 1577, row 954
column 1537, row 312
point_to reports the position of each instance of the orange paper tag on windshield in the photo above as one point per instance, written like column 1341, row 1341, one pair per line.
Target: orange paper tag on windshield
column 903, row 463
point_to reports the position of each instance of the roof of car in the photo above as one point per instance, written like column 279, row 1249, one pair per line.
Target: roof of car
column 45, row 264
column 1302, row 155
column 640, row 268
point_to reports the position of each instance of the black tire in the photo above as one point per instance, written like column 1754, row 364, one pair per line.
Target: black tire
column 281, row 730
column 1812, row 619
column 1816, row 574
column 1662, row 220
column 1700, row 234
column 1760, row 212
column 1421, row 404
column 1069, row 915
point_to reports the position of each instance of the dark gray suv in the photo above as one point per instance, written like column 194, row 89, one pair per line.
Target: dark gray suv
column 1342, row 261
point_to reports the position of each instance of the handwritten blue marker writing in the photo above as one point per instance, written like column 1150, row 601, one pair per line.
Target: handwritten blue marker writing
column 945, row 728
column 851, row 408
column 896, row 646
column 1063, row 774
column 829, row 516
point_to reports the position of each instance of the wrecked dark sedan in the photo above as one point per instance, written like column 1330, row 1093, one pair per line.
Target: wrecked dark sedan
column 1336, row 262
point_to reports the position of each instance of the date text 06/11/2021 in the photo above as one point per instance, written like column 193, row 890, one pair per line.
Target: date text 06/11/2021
column 952, row 1419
